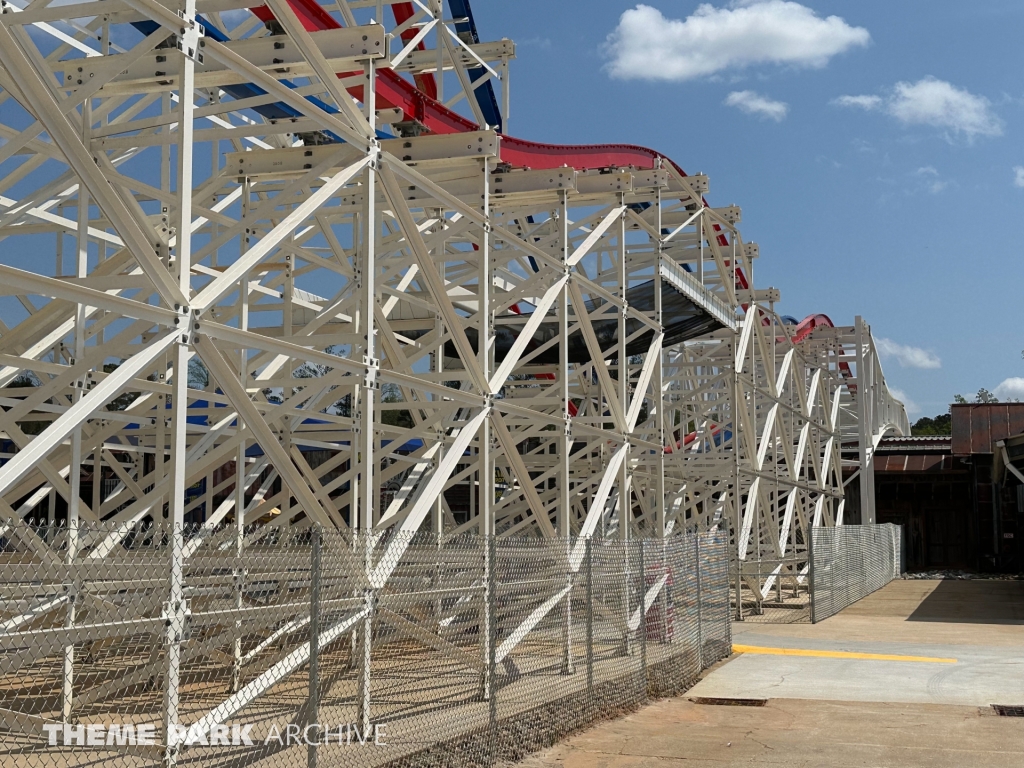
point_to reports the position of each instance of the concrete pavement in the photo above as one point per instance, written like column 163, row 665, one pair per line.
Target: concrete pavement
column 902, row 678
column 676, row 733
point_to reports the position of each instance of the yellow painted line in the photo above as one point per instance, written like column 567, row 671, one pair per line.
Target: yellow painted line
column 837, row 654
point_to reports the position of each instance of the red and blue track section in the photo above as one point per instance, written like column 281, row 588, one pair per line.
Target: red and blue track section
column 418, row 102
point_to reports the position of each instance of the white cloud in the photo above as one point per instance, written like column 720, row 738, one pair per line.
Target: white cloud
column 933, row 102
column 937, row 103
column 910, row 405
column 1010, row 389
column 908, row 357
column 863, row 102
column 1018, row 176
column 934, row 183
column 648, row 46
column 756, row 104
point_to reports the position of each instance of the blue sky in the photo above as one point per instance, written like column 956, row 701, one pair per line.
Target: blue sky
column 902, row 204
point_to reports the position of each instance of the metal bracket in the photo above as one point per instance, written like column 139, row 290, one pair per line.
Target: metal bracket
column 176, row 622
column 370, row 375
column 188, row 40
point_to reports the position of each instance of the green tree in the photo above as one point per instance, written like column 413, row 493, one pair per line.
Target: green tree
column 123, row 400
column 939, row 425
column 28, row 379
column 198, row 376
column 308, row 370
column 983, row 396
column 392, row 393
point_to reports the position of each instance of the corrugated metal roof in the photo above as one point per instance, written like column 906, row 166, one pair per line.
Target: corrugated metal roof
column 936, row 444
column 917, row 439
column 918, row 463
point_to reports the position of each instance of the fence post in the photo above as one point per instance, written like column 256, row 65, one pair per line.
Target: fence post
column 628, row 640
column 568, row 662
column 492, row 631
column 175, row 617
column 313, row 709
column 664, row 597
column 810, row 574
column 642, row 608
column 366, row 643
column 700, row 600
column 238, row 577
column 589, row 561
column 903, row 549
column 739, row 589
column 72, row 589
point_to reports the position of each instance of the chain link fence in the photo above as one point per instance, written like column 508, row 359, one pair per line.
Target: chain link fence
column 772, row 590
column 849, row 562
column 144, row 646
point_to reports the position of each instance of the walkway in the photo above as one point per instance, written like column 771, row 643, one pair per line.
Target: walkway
column 904, row 678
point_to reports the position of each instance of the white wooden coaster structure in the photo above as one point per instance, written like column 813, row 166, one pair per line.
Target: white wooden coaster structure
column 468, row 345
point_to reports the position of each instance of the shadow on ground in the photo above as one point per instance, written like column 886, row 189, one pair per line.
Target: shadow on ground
column 982, row 601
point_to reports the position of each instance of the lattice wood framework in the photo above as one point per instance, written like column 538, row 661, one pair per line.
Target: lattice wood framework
column 464, row 343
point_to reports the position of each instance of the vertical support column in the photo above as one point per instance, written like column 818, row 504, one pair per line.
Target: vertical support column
column 437, row 6
column 313, row 708
column 658, row 401
column 737, row 496
column 367, row 298
column 175, row 610
column 625, row 511
column 208, row 496
column 97, row 457
column 565, row 447
column 75, row 476
column 368, row 491
column 565, row 443
column 700, row 236
column 864, row 424
column 777, row 453
column 438, row 361
column 485, row 346
column 485, row 466
column 625, row 507
column 243, row 365
column 506, row 101
column 284, row 433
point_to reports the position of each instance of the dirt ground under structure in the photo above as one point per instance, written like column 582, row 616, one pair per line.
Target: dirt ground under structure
column 905, row 678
